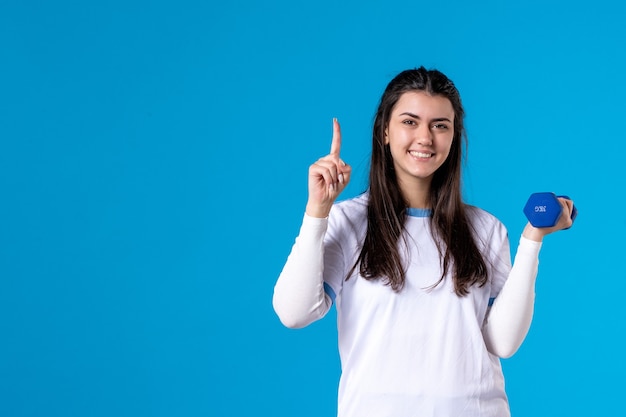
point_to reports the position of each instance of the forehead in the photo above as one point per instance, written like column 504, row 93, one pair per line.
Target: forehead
column 424, row 105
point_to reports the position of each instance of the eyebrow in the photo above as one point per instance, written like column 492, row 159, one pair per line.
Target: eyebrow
column 415, row 116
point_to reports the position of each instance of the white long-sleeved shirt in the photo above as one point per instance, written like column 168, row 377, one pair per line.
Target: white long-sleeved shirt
column 419, row 351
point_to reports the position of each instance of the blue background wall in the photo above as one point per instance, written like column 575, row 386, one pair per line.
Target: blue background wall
column 153, row 160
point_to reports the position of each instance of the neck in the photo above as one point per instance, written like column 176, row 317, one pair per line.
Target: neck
column 417, row 194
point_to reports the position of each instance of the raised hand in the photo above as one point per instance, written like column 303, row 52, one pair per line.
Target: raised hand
column 564, row 222
column 328, row 177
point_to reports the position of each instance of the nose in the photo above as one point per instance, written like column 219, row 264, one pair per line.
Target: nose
column 424, row 135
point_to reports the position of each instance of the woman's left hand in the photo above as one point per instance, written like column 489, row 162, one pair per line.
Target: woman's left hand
column 565, row 222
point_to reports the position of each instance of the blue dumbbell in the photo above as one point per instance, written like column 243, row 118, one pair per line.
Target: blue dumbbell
column 544, row 209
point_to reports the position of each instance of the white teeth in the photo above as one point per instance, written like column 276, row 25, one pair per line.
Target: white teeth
column 421, row 154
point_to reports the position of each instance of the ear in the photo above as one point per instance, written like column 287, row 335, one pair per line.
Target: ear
column 387, row 135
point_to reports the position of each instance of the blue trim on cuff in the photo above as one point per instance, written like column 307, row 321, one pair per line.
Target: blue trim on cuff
column 417, row 212
column 328, row 290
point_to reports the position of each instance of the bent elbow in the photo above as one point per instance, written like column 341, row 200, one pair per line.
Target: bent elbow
column 504, row 350
column 291, row 322
column 506, row 354
column 289, row 314
column 296, row 313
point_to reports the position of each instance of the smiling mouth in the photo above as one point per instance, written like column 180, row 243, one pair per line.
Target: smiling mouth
column 420, row 154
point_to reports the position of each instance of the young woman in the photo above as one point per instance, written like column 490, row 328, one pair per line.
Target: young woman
column 427, row 299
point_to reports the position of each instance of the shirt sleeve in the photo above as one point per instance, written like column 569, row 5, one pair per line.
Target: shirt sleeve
column 510, row 316
column 299, row 297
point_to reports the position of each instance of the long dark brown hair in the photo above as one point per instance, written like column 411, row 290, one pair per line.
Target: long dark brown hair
column 386, row 213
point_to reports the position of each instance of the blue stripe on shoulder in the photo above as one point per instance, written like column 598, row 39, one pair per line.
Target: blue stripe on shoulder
column 491, row 300
column 328, row 290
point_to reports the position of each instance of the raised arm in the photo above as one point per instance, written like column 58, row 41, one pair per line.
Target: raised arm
column 510, row 316
column 299, row 296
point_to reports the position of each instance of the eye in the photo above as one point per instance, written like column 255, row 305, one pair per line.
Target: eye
column 409, row 122
column 440, row 126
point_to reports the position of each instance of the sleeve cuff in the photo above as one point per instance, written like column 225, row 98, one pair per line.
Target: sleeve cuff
column 313, row 226
column 528, row 247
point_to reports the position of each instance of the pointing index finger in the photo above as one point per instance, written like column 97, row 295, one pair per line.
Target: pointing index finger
column 335, row 146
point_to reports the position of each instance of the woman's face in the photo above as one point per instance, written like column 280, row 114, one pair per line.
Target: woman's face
column 419, row 134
